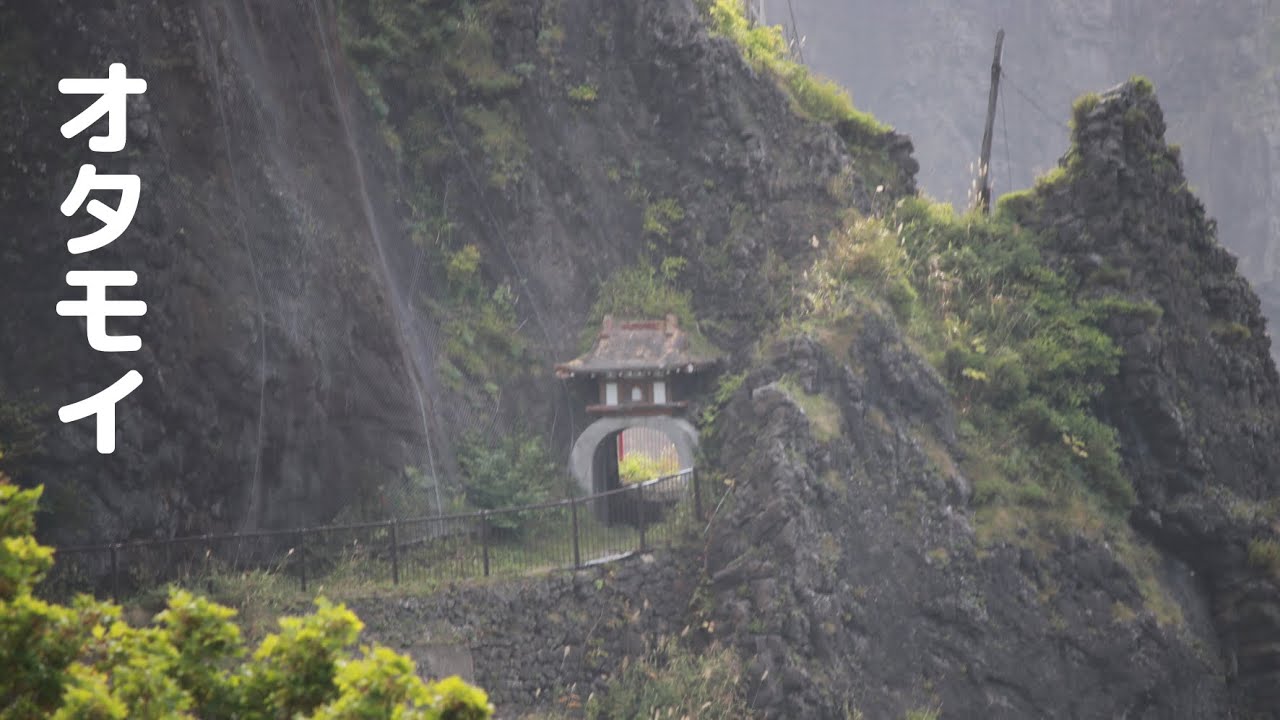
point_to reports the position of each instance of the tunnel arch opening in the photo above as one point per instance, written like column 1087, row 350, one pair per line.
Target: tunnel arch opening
column 594, row 461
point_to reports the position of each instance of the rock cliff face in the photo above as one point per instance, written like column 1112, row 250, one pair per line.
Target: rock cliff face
column 925, row 68
column 849, row 570
column 279, row 375
column 848, row 565
column 290, row 349
column 296, row 356
column 1197, row 400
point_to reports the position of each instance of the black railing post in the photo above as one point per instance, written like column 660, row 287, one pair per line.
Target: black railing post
column 302, row 557
column 697, row 495
column 395, row 554
column 484, row 539
column 573, row 513
column 640, row 509
column 115, row 573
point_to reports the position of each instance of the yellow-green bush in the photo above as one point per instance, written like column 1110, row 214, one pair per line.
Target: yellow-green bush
column 766, row 49
column 637, row 467
column 1265, row 555
column 84, row 661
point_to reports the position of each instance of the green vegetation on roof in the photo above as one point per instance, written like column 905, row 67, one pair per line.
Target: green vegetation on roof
column 641, row 292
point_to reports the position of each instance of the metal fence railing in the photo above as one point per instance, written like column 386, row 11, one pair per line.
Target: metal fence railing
column 569, row 533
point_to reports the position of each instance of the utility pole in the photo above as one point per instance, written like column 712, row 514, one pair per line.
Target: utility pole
column 984, row 162
column 798, row 50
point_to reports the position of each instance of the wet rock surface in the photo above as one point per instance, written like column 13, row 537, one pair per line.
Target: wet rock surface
column 848, row 571
column 1197, row 399
column 290, row 355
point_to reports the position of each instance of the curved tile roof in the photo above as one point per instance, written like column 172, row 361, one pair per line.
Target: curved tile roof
column 638, row 345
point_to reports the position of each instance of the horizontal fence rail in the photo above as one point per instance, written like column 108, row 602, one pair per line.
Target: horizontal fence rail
column 564, row 534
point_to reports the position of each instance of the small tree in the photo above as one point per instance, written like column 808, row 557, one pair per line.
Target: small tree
column 83, row 661
column 508, row 470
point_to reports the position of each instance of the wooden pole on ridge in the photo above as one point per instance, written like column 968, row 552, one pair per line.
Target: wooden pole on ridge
column 984, row 162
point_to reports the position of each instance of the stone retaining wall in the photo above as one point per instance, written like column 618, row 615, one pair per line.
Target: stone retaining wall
column 541, row 641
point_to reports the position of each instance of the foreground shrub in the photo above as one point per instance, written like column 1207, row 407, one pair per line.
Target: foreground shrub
column 84, row 661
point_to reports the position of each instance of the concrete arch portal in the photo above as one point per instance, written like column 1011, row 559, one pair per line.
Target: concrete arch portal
column 582, row 460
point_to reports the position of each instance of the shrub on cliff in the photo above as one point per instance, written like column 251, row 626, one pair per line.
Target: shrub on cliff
column 83, row 661
column 766, row 49
column 1024, row 355
column 1027, row 355
column 674, row 682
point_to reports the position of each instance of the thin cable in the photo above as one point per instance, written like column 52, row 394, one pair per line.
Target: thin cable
column 251, row 517
column 371, row 220
column 502, row 239
column 1031, row 101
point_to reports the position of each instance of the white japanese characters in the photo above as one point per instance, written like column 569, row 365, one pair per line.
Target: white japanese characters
column 96, row 308
column 112, row 92
column 115, row 222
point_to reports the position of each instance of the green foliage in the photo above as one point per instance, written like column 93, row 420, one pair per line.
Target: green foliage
column 481, row 340
column 766, row 49
column 432, row 76
column 660, row 216
column 386, row 38
column 637, row 467
column 1017, row 204
column 22, row 435
column 1024, row 356
column 863, row 255
column 641, row 292
column 1230, row 333
column 584, row 94
column 823, row 414
column 501, row 140
column 1082, row 106
column 1115, row 306
column 726, row 386
column 1055, row 176
column 1265, row 555
column 674, row 682
column 1142, row 85
column 83, row 661
column 505, row 471
column 1135, row 117
column 463, row 271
